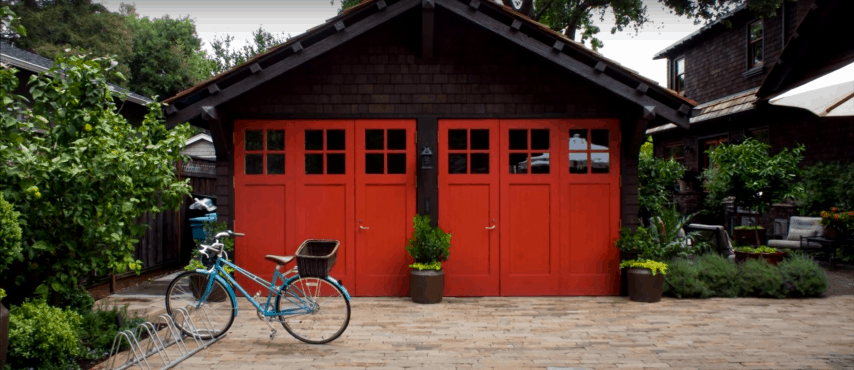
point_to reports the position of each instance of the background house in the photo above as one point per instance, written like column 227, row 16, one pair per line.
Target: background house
column 734, row 73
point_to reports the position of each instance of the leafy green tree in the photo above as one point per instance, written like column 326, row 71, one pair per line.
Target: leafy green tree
column 656, row 181
column 346, row 4
column 166, row 55
column 750, row 176
column 826, row 185
column 225, row 57
column 79, row 173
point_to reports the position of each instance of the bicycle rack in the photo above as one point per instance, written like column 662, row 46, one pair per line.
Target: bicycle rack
column 141, row 350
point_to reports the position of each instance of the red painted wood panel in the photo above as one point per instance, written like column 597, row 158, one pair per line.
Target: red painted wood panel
column 468, row 205
column 385, row 207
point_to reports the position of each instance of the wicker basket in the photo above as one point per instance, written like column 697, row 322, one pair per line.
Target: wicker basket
column 316, row 257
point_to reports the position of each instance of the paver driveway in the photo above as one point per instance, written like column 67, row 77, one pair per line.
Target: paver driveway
column 579, row 332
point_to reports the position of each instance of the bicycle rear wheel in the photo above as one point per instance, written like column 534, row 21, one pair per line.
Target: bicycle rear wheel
column 207, row 319
column 326, row 310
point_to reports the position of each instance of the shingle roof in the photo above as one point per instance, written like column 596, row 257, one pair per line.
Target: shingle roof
column 735, row 103
column 698, row 34
column 36, row 63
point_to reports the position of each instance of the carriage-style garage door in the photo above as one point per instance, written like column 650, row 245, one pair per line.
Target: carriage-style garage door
column 328, row 179
column 533, row 206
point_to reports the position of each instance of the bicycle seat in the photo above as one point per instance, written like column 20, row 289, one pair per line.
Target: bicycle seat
column 282, row 260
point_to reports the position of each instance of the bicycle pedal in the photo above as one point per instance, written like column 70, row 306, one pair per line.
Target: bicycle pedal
column 273, row 334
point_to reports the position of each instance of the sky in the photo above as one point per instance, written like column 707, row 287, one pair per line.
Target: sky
column 216, row 18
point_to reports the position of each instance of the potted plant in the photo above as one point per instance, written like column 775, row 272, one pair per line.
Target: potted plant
column 645, row 279
column 772, row 255
column 749, row 235
column 837, row 224
column 429, row 247
column 752, row 178
column 630, row 244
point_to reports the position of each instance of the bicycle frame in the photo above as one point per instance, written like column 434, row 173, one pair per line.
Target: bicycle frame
column 300, row 304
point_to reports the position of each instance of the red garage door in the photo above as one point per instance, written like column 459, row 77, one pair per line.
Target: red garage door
column 328, row 179
column 533, row 206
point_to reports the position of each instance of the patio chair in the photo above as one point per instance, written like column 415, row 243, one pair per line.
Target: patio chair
column 715, row 235
column 800, row 228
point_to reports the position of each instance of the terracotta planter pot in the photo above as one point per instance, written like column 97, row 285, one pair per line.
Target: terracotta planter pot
column 772, row 258
column 4, row 334
column 748, row 237
column 426, row 286
column 643, row 286
column 198, row 287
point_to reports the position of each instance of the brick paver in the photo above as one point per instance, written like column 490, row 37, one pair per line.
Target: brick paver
column 558, row 333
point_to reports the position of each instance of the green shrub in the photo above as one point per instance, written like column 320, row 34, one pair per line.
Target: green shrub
column 683, row 280
column 719, row 274
column 10, row 235
column 803, row 277
column 100, row 327
column 826, row 185
column 78, row 300
column 428, row 244
column 761, row 279
column 43, row 337
column 656, row 182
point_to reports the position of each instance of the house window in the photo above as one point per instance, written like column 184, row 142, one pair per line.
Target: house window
column 710, row 144
column 760, row 135
column 679, row 75
column 754, row 45
column 675, row 152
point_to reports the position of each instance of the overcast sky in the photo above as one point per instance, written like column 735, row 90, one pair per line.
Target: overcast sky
column 216, row 18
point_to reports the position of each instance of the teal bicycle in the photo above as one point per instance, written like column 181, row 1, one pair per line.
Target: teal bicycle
column 312, row 306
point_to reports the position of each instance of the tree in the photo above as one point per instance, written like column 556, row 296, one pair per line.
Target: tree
column 166, row 55
column 750, row 176
column 79, row 173
column 656, row 181
column 225, row 57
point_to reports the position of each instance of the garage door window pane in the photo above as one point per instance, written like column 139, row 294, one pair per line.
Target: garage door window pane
column 457, row 139
column 540, row 163
column 457, row 163
column 518, row 139
column 275, row 140
column 601, row 162
column 314, row 164
column 335, row 164
column 396, row 139
column 479, row 163
column 518, row 163
column 577, row 162
column 577, row 139
column 275, row 164
column 396, row 163
column 480, row 139
column 374, row 163
column 374, row 140
column 254, row 164
column 540, row 139
column 314, row 140
column 335, row 139
column 254, row 140
column 600, row 139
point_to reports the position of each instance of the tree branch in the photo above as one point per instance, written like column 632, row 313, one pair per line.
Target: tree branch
column 543, row 10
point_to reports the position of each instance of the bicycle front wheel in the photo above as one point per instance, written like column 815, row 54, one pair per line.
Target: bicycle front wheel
column 323, row 312
column 196, row 314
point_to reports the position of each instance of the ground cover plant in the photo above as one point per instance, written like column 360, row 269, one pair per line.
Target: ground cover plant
column 711, row 275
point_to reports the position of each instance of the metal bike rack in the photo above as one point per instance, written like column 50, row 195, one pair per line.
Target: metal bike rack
column 141, row 352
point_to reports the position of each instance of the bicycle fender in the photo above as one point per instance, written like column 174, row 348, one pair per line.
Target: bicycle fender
column 343, row 289
column 228, row 289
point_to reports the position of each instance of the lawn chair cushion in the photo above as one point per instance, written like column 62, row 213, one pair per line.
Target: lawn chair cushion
column 804, row 227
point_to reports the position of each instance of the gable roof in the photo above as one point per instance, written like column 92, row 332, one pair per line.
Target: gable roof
column 510, row 25
column 35, row 63
column 701, row 33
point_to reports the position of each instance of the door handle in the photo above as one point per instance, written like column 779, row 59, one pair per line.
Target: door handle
column 490, row 227
column 363, row 227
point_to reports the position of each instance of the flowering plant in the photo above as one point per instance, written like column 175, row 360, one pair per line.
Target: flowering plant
column 840, row 220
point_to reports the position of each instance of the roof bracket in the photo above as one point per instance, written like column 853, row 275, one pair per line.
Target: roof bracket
column 558, row 46
column 474, row 4
column 381, row 4
column 516, row 25
column 214, row 89
column 297, row 47
column 600, row 67
column 642, row 88
column 255, row 68
column 170, row 110
column 648, row 112
column 684, row 109
column 339, row 26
